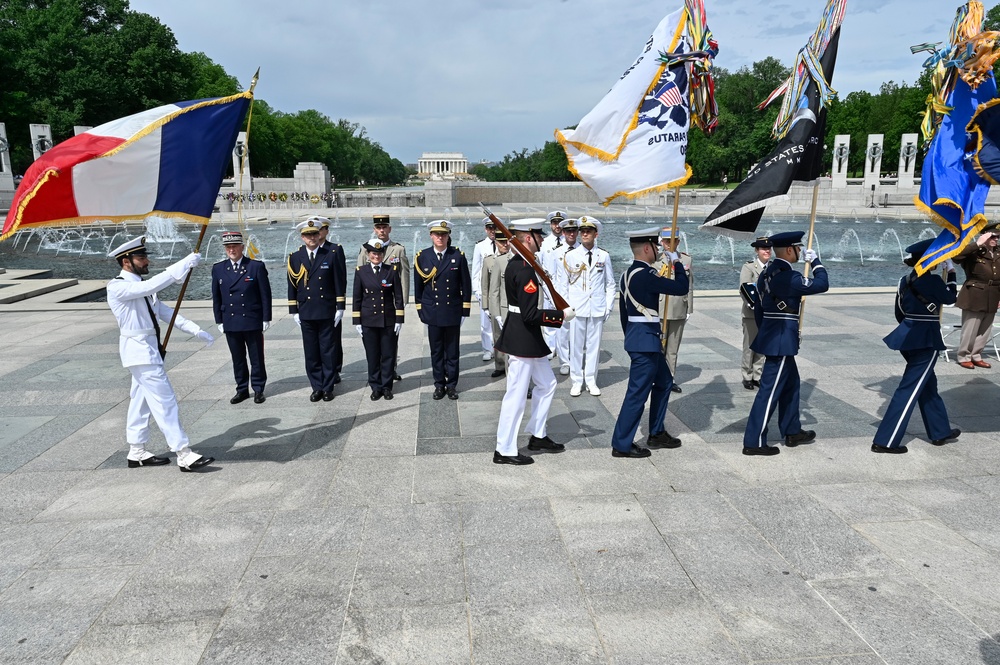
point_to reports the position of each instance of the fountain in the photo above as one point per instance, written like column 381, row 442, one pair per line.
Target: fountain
column 879, row 254
column 927, row 233
column 840, row 253
column 718, row 255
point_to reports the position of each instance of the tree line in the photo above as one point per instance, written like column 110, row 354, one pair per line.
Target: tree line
column 86, row 62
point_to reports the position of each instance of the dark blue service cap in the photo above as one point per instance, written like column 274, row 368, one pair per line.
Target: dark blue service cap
column 917, row 249
column 787, row 238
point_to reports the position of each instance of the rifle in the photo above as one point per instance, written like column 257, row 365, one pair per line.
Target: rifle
column 557, row 299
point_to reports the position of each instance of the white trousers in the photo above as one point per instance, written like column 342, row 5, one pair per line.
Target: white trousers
column 522, row 372
column 563, row 344
column 152, row 395
column 585, row 349
column 486, row 331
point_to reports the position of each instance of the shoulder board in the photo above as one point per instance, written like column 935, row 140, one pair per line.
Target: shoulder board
column 750, row 261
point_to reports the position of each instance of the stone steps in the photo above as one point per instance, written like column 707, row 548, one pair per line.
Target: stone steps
column 15, row 290
column 85, row 289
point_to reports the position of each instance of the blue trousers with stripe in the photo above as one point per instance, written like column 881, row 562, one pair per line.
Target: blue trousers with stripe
column 647, row 375
column 918, row 387
column 779, row 388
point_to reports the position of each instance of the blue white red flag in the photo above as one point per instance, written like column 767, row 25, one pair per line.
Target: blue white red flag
column 167, row 162
column 669, row 95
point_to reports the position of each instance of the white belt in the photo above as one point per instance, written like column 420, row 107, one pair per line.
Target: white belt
column 782, row 317
column 643, row 319
column 514, row 309
column 922, row 317
column 137, row 333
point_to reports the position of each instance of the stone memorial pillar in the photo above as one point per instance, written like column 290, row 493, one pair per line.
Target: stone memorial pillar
column 841, row 157
column 907, row 161
column 41, row 139
column 80, row 129
column 312, row 178
column 873, row 162
column 239, row 150
column 6, row 172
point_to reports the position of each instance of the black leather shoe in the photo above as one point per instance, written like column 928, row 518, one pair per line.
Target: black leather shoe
column 954, row 434
column 336, row 378
column 748, row 384
column 316, row 396
column 201, row 462
column 328, row 396
column 545, row 444
column 452, row 393
column 517, row 460
column 805, row 436
column 439, row 393
column 376, row 395
column 675, row 389
column 387, row 394
column 898, row 450
column 663, row 440
column 634, row 451
column 258, row 398
column 766, row 450
column 497, row 373
column 397, row 377
column 239, row 397
column 149, row 461
column 756, row 383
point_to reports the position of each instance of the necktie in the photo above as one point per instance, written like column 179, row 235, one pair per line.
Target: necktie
column 235, row 265
column 494, row 242
column 378, row 269
column 440, row 256
column 590, row 258
column 312, row 256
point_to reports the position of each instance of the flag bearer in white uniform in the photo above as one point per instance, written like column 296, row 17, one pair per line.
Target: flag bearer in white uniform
column 485, row 247
column 557, row 268
column 590, row 290
column 521, row 339
column 134, row 303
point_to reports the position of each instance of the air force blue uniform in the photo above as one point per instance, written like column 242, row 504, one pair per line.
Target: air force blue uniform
column 648, row 374
column 241, row 300
column 316, row 290
column 443, row 293
column 918, row 339
column 781, row 289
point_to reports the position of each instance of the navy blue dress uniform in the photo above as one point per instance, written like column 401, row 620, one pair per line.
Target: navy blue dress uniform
column 918, row 340
column 780, row 289
column 377, row 310
column 641, row 287
column 315, row 293
column 443, row 293
column 340, row 266
column 241, row 300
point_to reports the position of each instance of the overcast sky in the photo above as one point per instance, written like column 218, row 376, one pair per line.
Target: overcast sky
column 488, row 78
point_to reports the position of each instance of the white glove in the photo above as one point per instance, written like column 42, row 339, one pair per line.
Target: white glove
column 338, row 317
column 949, row 265
column 181, row 268
column 205, row 337
column 687, row 317
column 810, row 255
column 463, row 321
column 569, row 314
column 267, row 324
column 298, row 321
column 191, row 261
column 673, row 256
column 608, row 315
column 360, row 332
column 222, row 329
column 500, row 322
column 397, row 327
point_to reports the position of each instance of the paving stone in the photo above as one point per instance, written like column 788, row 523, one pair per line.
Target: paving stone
column 554, row 631
column 432, row 635
column 179, row 643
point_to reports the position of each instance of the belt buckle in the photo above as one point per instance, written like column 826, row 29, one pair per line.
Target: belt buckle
column 931, row 307
column 780, row 304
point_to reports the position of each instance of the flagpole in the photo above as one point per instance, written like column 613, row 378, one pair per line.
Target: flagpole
column 812, row 227
column 670, row 270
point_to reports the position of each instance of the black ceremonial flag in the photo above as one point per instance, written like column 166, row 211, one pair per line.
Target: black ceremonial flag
column 799, row 156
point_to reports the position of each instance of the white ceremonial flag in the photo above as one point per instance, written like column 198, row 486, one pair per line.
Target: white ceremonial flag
column 634, row 141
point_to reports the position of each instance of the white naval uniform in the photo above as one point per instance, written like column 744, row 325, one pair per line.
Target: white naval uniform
column 590, row 289
column 483, row 248
column 151, row 392
column 561, row 338
column 549, row 244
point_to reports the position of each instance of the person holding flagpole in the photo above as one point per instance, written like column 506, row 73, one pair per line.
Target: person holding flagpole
column 134, row 303
column 918, row 340
column 781, row 288
column 751, row 362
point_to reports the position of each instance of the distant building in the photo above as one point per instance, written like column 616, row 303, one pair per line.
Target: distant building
column 443, row 166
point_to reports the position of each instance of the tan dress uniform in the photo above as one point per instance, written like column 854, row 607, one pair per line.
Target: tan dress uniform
column 495, row 298
column 978, row 299
column 678, row 310
column 751, row 363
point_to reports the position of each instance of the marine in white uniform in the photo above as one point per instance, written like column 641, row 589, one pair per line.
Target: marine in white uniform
column 485, row 247
column 590, row 290
column 134, row 303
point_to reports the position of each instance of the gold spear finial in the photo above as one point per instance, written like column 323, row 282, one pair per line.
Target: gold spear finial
column 253, row 81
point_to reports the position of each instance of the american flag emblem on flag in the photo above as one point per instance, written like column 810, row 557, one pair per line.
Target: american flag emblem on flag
column 669, row 95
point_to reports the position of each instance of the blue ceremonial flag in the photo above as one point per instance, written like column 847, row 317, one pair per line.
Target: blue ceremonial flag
column 952, row 189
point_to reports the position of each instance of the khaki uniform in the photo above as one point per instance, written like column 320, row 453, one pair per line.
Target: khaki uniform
column 678, row 309
column 978, row 299
column 751, row 363
column 495, row 297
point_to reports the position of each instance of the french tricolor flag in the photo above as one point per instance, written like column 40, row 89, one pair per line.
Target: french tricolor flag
column 168, row 161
